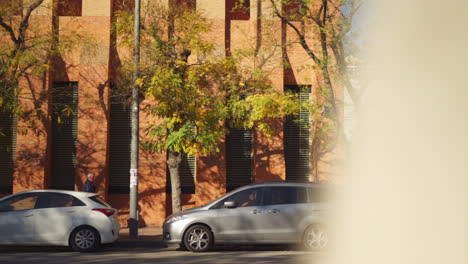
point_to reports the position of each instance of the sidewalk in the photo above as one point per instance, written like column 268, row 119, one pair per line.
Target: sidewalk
column 144, row 233
column 148, row 237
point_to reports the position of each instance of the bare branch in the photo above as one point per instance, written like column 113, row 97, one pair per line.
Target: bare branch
column 9, row 30
column 25, row 22
column 299, row 33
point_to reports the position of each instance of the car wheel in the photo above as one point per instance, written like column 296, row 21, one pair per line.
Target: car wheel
column 198, row 238
column 85, row 239
column 316, row 238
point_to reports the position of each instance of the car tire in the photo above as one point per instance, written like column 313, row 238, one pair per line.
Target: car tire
column 85, row 239
column 316, row 238
column 182, row 247
column 198, row 238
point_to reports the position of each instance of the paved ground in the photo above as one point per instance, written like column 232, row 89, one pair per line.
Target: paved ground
column 148, row 248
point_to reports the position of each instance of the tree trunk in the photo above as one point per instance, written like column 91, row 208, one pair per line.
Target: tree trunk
column 173, row 163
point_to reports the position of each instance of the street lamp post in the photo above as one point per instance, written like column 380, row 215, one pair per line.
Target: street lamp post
column 133, row 221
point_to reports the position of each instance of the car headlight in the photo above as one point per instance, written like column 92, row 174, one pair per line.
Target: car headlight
column 175, row 218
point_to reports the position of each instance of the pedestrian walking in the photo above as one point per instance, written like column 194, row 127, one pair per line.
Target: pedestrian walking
column 89, row 186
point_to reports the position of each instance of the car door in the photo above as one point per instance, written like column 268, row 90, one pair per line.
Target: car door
column 241, row 223
column 285, row 208
column 17, row 216
column 56, row 216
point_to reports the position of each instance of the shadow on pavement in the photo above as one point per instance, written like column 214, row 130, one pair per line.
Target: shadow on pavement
column 151, row 249
column 146, row 243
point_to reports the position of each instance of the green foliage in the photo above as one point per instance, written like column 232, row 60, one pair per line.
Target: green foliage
column 27, row 49
column 194, row 91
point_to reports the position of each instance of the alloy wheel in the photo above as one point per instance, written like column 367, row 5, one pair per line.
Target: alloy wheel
column 198, row 239
column 316, row 238
column 85, row 239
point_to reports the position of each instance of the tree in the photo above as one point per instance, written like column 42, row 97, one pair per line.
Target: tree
column 195, row 92
column 27, row 50
column 330, row 45
column 17, row 52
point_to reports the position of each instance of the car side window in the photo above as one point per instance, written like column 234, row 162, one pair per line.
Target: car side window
column 286, row 195
column 19, row 202
column 317, row 195
column 57, row 200
column 245, row 198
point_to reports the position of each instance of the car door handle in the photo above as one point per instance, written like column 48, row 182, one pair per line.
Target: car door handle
column 256, row 212
column 29, row 215
column 274, row 211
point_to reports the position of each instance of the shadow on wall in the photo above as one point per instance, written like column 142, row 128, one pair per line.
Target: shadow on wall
column 33, row 133
column 269, row 163
column 151, row 192
column 147, row 198
column 92, row 139
column 98, row 83
column 88, row 160
column 289, row 77
column 188, row 201
column 211, row 176
column 29, row 162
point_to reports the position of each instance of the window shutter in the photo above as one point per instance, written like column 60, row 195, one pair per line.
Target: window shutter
column 7, row 152
column 296, row 138
column 119, row 147
column 187, row 175
column 238, row 158
column 64, row 135
column 70, row 7
column 238, row 9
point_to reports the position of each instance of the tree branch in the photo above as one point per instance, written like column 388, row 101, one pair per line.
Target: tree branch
column 25, row 22
column 9, row 30
column 301, row 36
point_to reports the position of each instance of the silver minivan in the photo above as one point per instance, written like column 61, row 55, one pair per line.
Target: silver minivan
column 260, row 213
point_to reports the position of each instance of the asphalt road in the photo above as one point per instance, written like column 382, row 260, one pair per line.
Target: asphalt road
column 150, row 251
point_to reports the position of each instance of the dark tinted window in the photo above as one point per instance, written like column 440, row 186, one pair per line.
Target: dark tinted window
column 100, row 201
column 286, row 195
column 54, row 200
column 19, row 202
column 249, row 197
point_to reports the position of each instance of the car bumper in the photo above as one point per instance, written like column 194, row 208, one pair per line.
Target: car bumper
column 173, row 232
column 112, row 234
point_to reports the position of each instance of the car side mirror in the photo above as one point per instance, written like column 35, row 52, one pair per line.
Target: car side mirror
column 230, row 204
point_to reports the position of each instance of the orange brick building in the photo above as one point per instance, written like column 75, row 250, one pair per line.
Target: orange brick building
column 96, row 137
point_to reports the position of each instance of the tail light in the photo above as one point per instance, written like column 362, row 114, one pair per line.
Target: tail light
column 107, row 211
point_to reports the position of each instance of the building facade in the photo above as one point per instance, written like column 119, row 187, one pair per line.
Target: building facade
column 59, row 153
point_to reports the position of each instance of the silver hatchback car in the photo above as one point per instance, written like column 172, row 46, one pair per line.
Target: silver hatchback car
column 260, row 213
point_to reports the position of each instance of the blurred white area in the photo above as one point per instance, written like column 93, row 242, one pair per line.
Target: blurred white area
column 408, row 178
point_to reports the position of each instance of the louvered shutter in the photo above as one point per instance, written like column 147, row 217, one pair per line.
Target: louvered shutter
column 7, row 151
column 119, row 147
column 186, row 174
column 238, row 158
column 64, row 135
column 296, row 139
